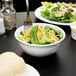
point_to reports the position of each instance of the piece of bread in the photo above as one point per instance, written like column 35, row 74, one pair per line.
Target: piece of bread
column 11, row 64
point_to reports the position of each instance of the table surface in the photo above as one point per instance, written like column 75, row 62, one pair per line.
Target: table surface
column 61, row 63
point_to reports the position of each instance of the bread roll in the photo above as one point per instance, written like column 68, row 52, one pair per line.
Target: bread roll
column 11, row 64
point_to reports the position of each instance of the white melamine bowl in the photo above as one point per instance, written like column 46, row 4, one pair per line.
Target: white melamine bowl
column 39, row 50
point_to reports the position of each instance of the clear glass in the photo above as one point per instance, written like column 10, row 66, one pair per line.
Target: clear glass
column 9, row 14
column 2, row 27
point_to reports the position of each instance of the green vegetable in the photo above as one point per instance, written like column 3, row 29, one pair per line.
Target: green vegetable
column 22, row 39
column 57, row 32
column 67, row 15
column 60, row 36
column 51, row 11
column 47, row 4
column 50, row 16
column 22, row 33
column 73, row 18
column 45, row 14
column 33, row 35
column 46, row 40
column 55, row 8
column 40, row 35
column 49, row 28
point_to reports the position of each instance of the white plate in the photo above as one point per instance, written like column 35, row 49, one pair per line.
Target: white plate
column 30, row 71
column 38, row 15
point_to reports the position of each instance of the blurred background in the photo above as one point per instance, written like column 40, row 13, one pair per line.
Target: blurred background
column 20, row 5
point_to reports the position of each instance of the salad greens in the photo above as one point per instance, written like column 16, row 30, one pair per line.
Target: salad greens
column 33, row 35
column 40, row 35
column 59, row 12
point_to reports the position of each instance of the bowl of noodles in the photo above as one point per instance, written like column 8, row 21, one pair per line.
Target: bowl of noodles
column 41, row 39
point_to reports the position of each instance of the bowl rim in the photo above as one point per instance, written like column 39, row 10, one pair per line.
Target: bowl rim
column 64, row 35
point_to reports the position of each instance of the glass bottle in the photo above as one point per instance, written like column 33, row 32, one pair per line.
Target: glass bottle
column 2, row 27
column 9, row 14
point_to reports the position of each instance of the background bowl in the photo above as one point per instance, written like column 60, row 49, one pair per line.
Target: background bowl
column 39, row 50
